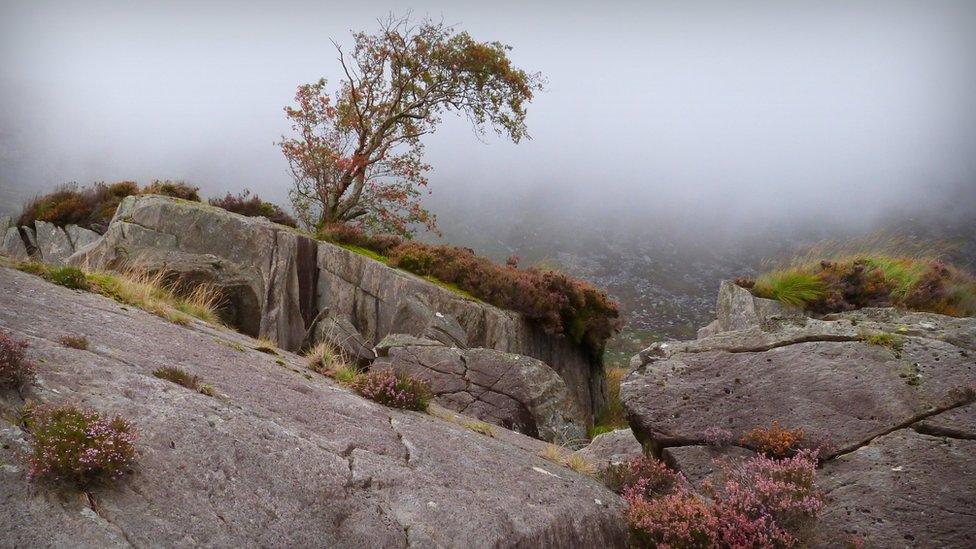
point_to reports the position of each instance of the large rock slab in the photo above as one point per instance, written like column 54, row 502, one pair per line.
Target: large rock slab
column 281, row 457
column 738, row 309
column 53, row 243
column 266, row 271
column 904, row 489
column 818, row 375
column 517, row 392
column 80, row 237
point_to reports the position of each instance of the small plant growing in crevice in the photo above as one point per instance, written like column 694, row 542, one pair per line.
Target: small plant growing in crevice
column 718, row 437
column 179, row 377
column 267, row 347
column 69, row 277
column 325, row 359
column 884, row 339
column 74, row 342
column 394, row 389
column 77, row 446
column 15, row 369
column 560, row 455
column 773, row 441
column 208, row 390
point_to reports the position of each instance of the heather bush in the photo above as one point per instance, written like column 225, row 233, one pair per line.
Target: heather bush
column 716, row 436
column 859, row 280
column 650, row 477
column 15, row 369
column 394, row 389
column 775, row 441
column 252, row 206
column 77, row 446
column 175, row 189
column 760, row 502
column 89, row 207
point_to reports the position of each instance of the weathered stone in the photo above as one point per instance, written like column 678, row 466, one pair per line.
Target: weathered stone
column 956, row 423
column 699, row 462
column 266, row 271
column 342, row 335
column 372, row 294
column 80, row 236
column 277, row 280
column 415, row 318
column 841, row 392
column 280, row 457
column 53, row 243
column 738, row 309
column 904, row 489
column 514, row 391
column 711, row 329
column 13, row 245
column 5, row 223
column 29, row 237
column 617, row 446
column 403, row 340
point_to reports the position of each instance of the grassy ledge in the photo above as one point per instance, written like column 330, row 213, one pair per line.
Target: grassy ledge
column 138, row 288
column 846, row 282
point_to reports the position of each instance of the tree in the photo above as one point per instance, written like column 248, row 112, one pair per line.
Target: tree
column 357, row 155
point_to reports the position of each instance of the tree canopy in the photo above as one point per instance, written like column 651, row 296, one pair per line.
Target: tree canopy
column 357, row 154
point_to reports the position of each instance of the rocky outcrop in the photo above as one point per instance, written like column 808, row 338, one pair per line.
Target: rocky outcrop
column 44, row 242
column 864, row 386
column 278, row 281
column 615, row 447
column 280, row 457
column 517, row 392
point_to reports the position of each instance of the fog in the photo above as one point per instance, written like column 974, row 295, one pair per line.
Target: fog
column 707, row 118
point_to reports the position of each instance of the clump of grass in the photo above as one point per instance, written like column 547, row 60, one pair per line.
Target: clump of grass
column 15, row 369
column 69, row 277
column 791, row 286
column 872, row 280
column 266, row 346
column 75, row 342
column 884, row 339
column 207, row 389
column 179, row 377
column 614, row 416
column 140, row 288
column 562, row 456
column 77, row 446
column 480, row 427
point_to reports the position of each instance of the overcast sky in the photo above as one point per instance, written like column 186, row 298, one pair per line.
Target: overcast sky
column 693, row 110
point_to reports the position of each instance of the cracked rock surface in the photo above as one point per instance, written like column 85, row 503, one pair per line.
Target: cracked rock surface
column 887, row 415
column 280, row 457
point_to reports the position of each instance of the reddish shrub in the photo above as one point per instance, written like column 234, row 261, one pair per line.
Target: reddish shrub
column 648, row 476
column 762, row 502
column 252, row 206
column 15, row 369
column 716, row 436
column 774, row 440
column 393, row 389
column 90, row 207
column 78, row 446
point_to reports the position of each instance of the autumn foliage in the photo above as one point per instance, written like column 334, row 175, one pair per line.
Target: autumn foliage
column 92, row 207
column 775, row 441
column 356, row 153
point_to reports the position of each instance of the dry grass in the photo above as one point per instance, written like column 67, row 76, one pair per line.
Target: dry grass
column 179, row 377
column 140, row 288
column 75, row 342
column 266, row 346
column 562, row 456
column 324, row 359
column 480, row 427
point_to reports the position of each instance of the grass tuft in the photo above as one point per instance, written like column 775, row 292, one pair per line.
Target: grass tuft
column 179, row 377
column 792, row 286
column 75, row 342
